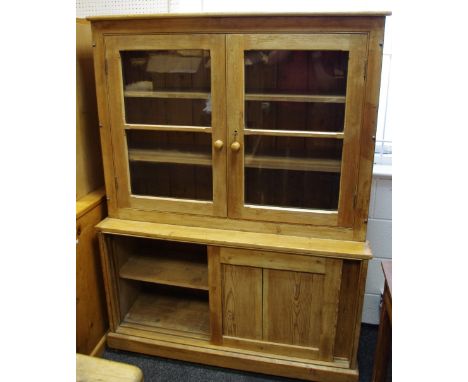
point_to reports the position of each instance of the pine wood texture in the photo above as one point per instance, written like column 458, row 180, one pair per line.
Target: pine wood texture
column 249, row 298
column 171, row 312
column 282, row 289
column 91, row 317
column 238, row 239
column 89, row 201
column 330, row 224
column 242, row 301
column 234, row 359
column 278, row 301
column 352, row 11
column 215, row 297
column 213, row 43
column 89, row 175
column 369, row 127
column 171, row 270
column 91, row 369
column 270, row 260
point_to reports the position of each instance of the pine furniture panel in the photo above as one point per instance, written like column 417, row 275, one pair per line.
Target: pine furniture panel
column 238, row 205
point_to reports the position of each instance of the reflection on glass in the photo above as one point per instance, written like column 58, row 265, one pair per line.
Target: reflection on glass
column 159, row 111
column 297, row 72
column 268, row 115
column 170, row 164
column 292, row 172
column 167, row 87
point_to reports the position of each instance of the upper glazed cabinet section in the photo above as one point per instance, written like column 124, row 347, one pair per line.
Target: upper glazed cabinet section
column 259, row 127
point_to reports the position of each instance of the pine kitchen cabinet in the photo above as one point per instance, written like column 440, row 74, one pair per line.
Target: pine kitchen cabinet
column 238, row 156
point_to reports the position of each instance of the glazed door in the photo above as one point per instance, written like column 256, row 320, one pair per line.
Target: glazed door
column 167, row 102
column 294, row 117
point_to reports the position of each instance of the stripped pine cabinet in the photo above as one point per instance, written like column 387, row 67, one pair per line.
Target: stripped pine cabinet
column 238, row 156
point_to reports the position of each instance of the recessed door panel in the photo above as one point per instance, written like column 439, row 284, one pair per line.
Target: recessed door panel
column 289, row 308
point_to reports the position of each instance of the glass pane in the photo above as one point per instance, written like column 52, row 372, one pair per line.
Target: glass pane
column 174, row 164
column 167, row 87
column 159, row 111
column 292, row 172
column 266, row 115
column 295, row 90
column 297, row 72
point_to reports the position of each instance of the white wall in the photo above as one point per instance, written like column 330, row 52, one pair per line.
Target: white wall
column 379, row 235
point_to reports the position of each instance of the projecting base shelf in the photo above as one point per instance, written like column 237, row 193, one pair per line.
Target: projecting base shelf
column 199, row 351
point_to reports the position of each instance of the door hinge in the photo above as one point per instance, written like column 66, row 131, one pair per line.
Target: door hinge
column 105, row 66
column 365, row 70
column 116, row 183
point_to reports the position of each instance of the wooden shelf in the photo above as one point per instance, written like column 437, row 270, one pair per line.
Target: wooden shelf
column 169, row 156
column 295, row 98
column 175, row 270
column 298, row 164
column 169, row 128
column 166, row 94
column 248, row 96
column 294, row 133
column 251, row 161
column 170, row 313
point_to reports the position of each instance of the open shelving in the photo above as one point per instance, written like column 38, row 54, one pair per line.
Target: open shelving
column 163, row 285
column 169, row 310
column 175, row 270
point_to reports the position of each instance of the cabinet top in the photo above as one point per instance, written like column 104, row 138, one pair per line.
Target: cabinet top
column 354, row 12
column 354, row 250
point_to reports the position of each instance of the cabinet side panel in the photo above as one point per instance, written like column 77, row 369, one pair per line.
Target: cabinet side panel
column 91, row 314
column 110, row 286
column 347, row 309
column 368, row 130
column 242, row 301
column 89, row 174
column 215, row 297
column 104, row 123
column 331, row 293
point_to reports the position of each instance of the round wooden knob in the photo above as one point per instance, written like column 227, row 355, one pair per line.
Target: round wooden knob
column 235, row 146
column 218, row 145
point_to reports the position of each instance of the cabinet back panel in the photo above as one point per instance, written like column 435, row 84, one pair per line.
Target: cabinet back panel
column 169, row 180
column 295, row 116
column 297, row 189
column 298, row 71
column 154, row 111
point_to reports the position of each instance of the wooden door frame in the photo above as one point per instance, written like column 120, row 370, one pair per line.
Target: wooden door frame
column 216, row 45
column 356, row 44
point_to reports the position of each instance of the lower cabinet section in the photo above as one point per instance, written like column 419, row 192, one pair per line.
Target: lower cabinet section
column 295, row 315
column 280, row 303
